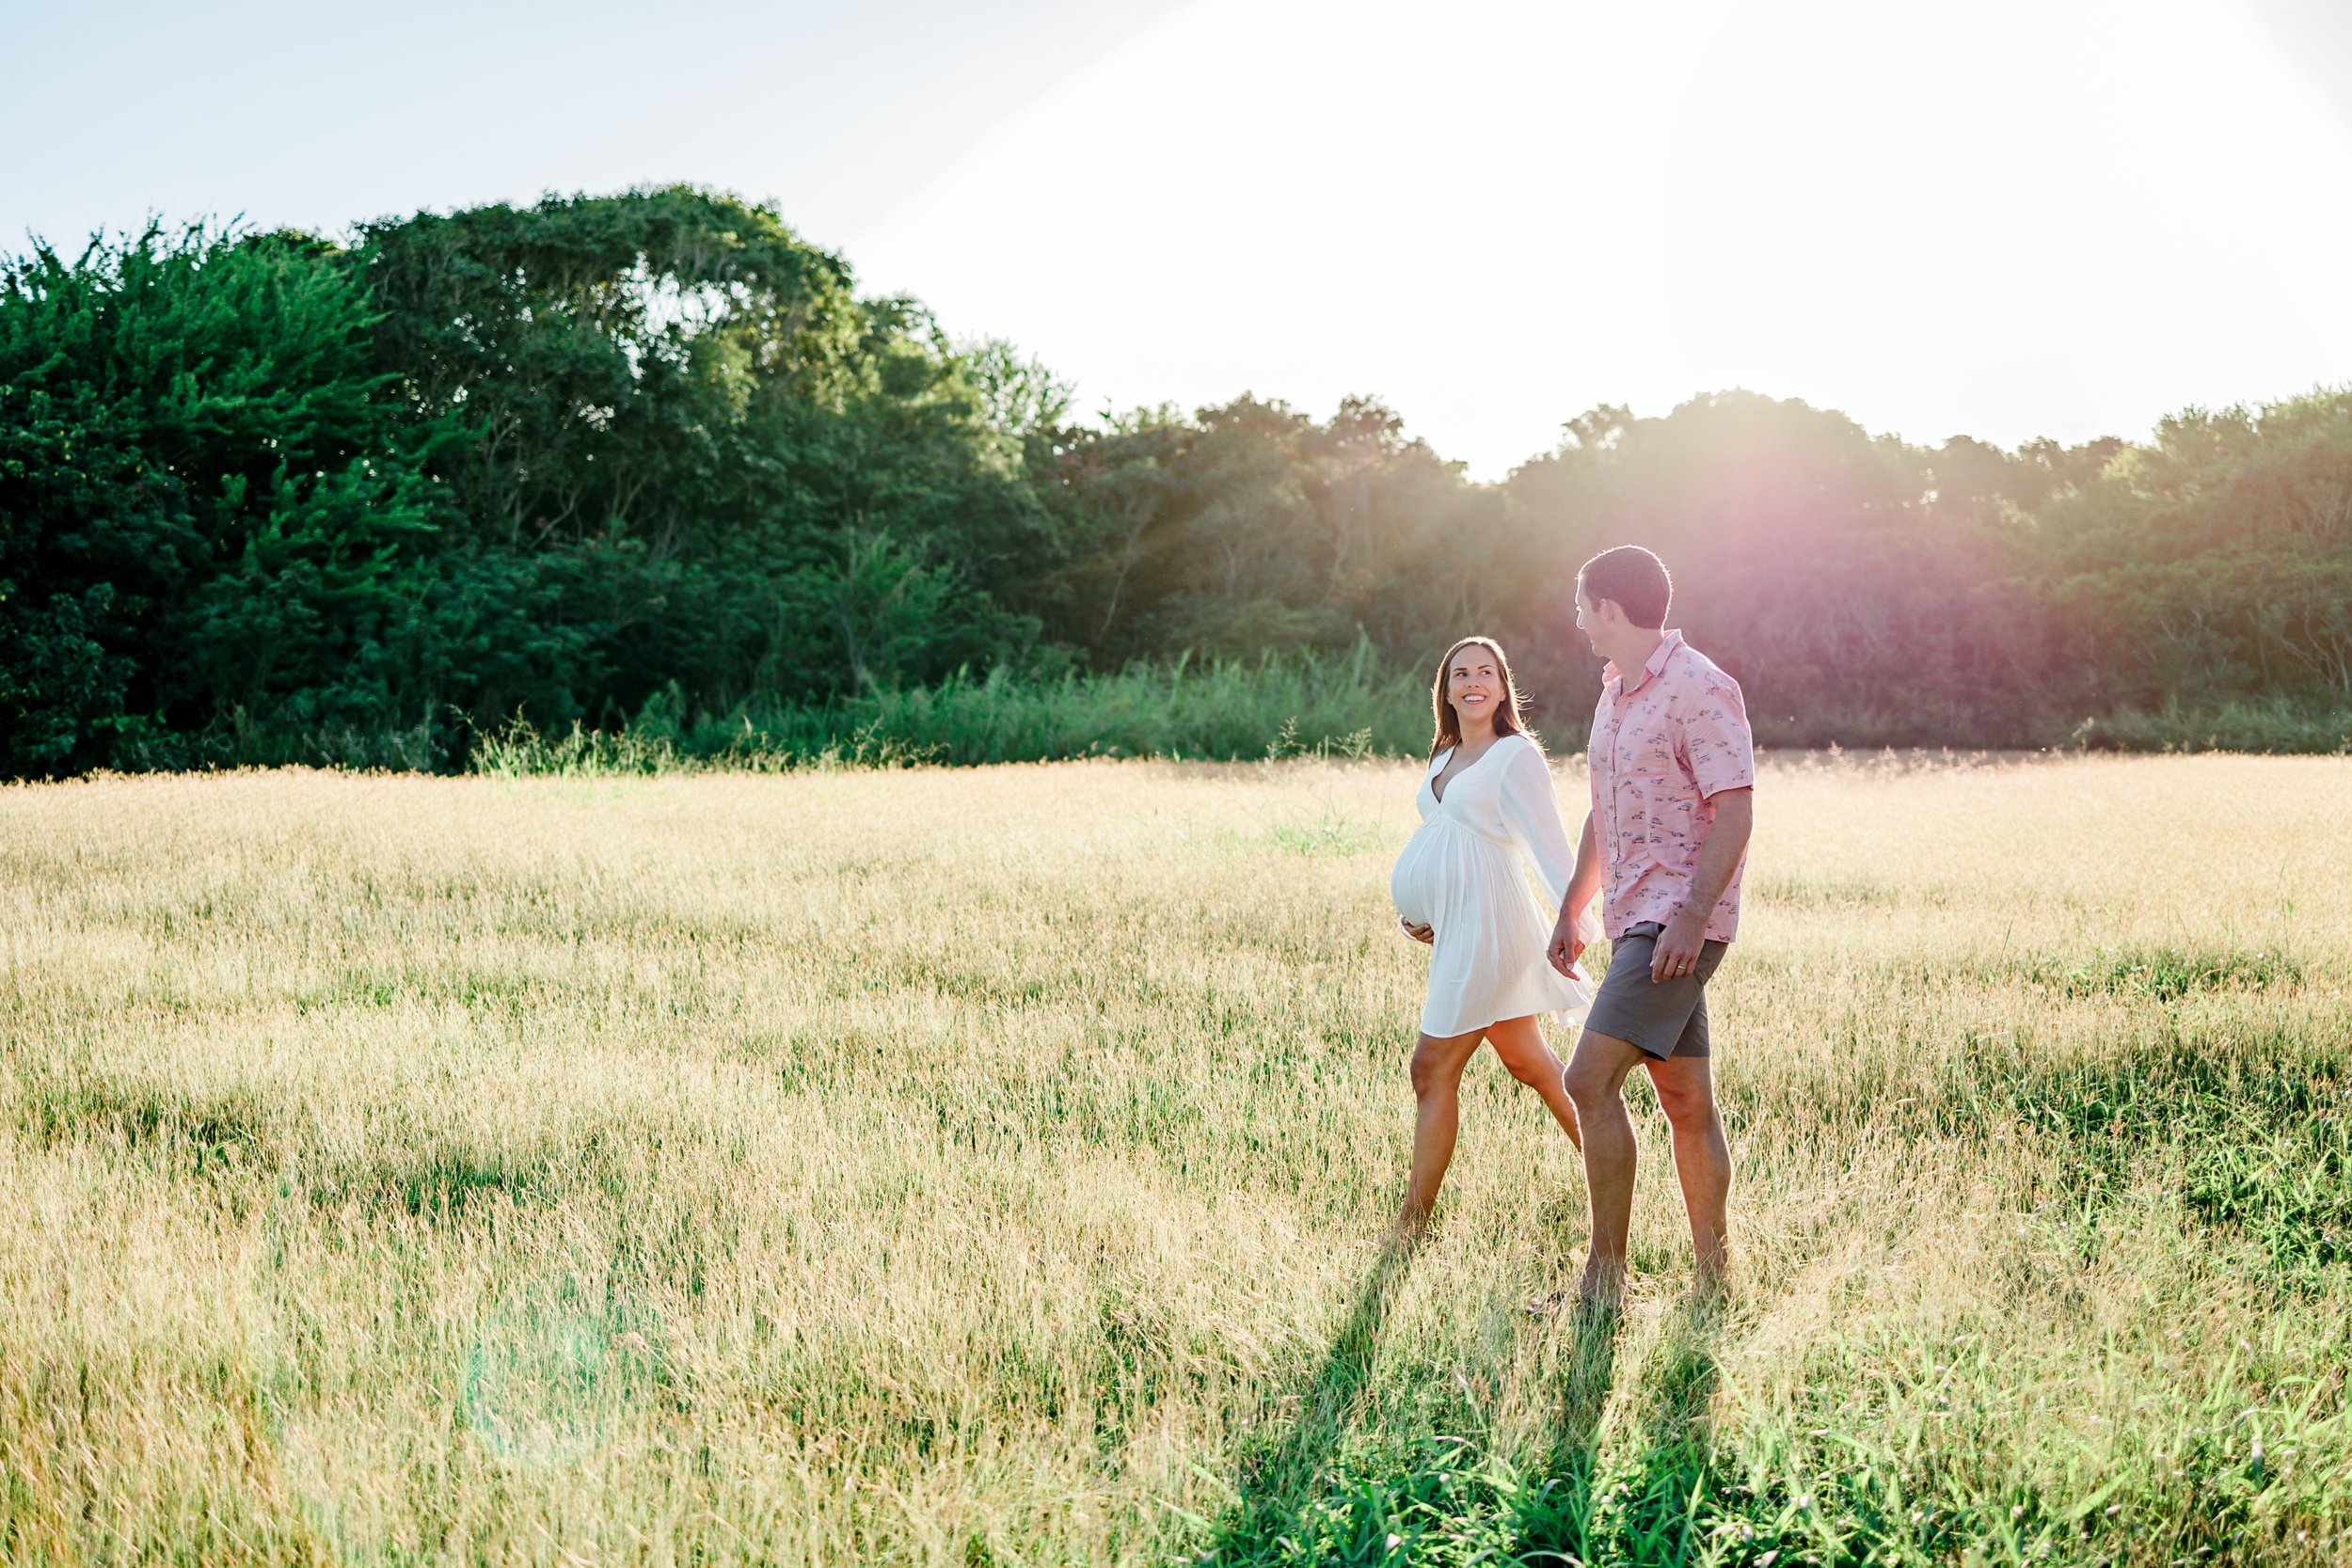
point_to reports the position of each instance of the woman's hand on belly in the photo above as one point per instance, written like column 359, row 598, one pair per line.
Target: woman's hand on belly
column 1419, row 933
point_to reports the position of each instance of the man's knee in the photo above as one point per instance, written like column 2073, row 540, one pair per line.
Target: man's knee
column 1591, row 1085
column 1689, row 1103
column 1596, row 1070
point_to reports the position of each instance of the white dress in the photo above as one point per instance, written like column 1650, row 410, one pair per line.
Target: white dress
column 1463, row 875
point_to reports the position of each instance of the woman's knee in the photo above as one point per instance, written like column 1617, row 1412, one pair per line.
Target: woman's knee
column 1530, row 1064
column 1427, row 1067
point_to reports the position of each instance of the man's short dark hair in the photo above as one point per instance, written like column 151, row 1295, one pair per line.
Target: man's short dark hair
column 1635, row 579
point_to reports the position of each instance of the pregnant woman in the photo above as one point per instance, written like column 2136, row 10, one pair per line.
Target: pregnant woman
column 1487, row 810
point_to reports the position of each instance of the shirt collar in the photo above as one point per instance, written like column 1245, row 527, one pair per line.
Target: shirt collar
column 1652, row 666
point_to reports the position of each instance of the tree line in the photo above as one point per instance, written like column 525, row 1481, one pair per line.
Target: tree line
column 272, row 497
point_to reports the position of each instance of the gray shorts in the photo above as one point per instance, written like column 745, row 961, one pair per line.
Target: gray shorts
column 1665, row 1018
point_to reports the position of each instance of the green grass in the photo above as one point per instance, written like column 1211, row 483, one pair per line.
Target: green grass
column 988, row 1166
column 2274, row 723
column 1306, row 704
column 1301, row 704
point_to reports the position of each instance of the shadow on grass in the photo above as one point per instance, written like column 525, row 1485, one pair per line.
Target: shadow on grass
column 1648, row 1508
column 1317, row 1494
column 1278, row 1483
column 1675, row 1483
column 1556, row 1517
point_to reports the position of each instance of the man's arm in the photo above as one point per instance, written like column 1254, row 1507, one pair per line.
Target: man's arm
column 1584, row 883
column 1678, row 950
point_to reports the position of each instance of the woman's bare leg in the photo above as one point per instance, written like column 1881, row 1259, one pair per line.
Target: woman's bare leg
column 1437, row 1065
column 1519, row 1041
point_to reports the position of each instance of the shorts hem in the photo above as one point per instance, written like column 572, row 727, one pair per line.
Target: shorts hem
column 1631, row 1038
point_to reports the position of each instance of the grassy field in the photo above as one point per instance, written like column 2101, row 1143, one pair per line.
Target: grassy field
column 987, row 1167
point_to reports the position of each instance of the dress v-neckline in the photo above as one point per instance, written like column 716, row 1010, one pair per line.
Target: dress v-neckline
column 1437, row 795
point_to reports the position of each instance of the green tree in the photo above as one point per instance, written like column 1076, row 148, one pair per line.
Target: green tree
column 210, row 510
column 726, row 468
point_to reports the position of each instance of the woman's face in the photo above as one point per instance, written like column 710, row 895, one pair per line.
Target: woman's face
column 1473, row 684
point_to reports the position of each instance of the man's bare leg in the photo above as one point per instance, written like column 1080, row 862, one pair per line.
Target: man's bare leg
column 1437, row 1064
column 1519, row 1041
column 1686, row 1092
column 1595, row 1079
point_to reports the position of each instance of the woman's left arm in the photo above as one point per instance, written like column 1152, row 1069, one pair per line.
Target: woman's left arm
column 1530, row 813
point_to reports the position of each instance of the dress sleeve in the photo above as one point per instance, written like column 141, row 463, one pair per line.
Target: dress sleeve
column 1531, row 812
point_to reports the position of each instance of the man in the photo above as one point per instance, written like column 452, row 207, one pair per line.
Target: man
column 1674, row 775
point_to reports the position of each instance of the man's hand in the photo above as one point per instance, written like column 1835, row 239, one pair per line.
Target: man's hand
column 1675, row 955
column 1567, row 944
column 1419, row 933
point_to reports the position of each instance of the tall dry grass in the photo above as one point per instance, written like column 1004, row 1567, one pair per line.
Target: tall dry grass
column 985, row 1166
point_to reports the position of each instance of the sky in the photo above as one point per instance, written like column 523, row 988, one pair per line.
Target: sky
column 2007, row 218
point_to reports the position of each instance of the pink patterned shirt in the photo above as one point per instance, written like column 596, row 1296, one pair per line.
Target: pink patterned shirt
column 1660, row 753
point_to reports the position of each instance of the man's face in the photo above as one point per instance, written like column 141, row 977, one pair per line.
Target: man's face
column 1588, row 621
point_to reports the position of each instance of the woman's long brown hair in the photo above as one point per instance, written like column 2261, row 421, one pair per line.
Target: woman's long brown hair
column 1508, row 719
